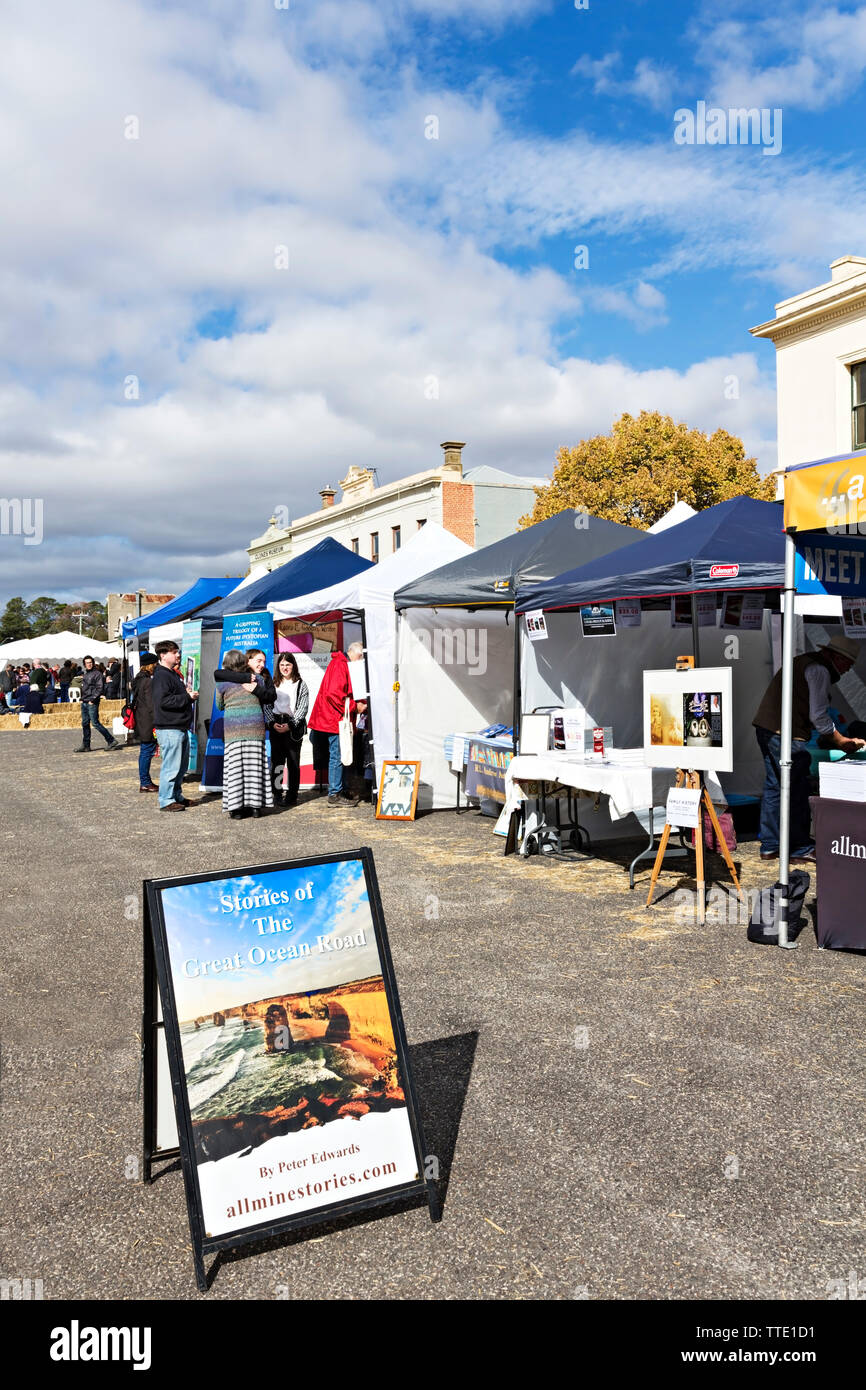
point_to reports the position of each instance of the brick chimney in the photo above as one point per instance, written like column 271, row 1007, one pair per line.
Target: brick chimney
column 453, row 451
column 327, row 495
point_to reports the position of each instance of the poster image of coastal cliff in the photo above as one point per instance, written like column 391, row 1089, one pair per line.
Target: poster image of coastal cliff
column 289, row 1060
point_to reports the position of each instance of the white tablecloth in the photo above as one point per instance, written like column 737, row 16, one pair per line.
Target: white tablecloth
column 628, row 784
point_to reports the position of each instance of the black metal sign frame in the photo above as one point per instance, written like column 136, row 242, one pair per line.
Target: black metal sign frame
column 157, row 977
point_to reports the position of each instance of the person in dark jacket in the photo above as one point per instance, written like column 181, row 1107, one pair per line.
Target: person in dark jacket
column 112, row 680
column 64, row 676
column 92, row 690
column 141, row 700
column 172, row 720
column 290, row 710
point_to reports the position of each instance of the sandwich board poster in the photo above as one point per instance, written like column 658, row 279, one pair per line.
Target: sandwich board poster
column 241, row 631
column 285, row 1046
column 190, row 669
column 688, row 719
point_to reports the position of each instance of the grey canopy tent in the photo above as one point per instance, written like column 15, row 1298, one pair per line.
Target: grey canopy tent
column 445, row 682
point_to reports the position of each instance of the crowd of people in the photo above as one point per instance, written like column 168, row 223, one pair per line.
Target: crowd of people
column 28, row 687
column 257, row 708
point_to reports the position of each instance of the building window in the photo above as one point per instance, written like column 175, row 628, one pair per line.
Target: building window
column 858, row 405
column 374, row 547
column 356, row 546
column 395, row 537
column 422, row 521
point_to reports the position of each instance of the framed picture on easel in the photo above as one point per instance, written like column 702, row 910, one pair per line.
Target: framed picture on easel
column 687, row 719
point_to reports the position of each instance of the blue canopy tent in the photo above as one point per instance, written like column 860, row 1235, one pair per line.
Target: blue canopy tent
column 203, row 591
column 324, row 564
column 735, row 545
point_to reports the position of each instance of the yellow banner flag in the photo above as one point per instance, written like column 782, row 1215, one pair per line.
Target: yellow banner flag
column 828, row 496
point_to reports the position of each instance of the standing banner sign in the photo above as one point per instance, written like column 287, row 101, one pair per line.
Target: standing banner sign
column 190, row 669
column 241, row 630
column 286, row 1049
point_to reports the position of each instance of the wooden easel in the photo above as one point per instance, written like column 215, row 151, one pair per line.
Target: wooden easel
column 693, row 781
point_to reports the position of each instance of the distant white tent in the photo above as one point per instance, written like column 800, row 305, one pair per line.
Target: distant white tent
column 680, row 511
column 59, row 646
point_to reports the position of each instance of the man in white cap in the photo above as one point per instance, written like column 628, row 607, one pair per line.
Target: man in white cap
column 814, row 674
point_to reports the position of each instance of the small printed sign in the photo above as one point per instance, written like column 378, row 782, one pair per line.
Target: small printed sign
column 681, row 610
column 854, row 617
column 597, row 620
column 683, row 807
column 628, row 612
column 536, row 625
column 744, row 612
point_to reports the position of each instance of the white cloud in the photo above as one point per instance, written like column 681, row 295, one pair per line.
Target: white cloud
column 808, row 60
column 112, row 250
column 650, row 83
column 643, row 306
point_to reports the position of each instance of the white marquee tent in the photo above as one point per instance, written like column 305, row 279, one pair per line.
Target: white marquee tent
column 371, row 594
column 58, row 646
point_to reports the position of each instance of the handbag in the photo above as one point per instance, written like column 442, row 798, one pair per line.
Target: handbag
column 711, row 839
column 347, row 741
column 128, row 717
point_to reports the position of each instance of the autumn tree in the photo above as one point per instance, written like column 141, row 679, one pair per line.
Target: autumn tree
column 637, row 472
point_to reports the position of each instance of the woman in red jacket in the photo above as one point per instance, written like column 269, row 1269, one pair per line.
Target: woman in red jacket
column 324, row 726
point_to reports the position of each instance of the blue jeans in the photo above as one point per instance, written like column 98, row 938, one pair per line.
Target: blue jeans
column 145, row 758
column 801, row 816
column 328, row 746
column 174, row 749
column 90, row 717
column 64, row 692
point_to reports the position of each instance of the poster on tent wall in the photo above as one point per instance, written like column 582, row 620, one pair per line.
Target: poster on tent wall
column 598, row 620
column 687, row 718
column 312, row 644
column 241, row 630
column 743, row 612
column 681, row 610
column 190, row 669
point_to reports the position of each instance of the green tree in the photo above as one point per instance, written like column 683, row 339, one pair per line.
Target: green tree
column 94, row 622
column 41, row 614
column 14, row 626
column 637, row 472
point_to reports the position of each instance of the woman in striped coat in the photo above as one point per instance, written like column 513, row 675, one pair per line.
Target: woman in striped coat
column 291, row 707
column 246, row 777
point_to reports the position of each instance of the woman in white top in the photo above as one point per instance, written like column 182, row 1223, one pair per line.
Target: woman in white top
column 288, row 728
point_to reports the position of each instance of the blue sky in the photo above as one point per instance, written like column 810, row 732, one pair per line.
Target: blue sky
column 166, row 379
column 200, row 928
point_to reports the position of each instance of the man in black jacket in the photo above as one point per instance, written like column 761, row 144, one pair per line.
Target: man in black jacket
column 92, row 689
column 172, row 719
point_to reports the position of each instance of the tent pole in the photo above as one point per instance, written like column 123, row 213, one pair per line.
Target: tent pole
column 397, row 616
column 785, row 741
column 515, row 699
column 696, row 641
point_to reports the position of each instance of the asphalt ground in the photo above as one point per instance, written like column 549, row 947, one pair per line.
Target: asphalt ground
column 624, row 1104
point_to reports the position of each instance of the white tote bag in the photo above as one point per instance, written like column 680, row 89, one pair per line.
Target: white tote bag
column 347, row 741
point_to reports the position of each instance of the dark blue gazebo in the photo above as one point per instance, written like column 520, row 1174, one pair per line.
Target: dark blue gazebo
column 735, row 545
column 324, row 564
